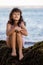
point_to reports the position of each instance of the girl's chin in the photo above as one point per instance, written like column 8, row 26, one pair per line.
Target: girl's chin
column 16, row 20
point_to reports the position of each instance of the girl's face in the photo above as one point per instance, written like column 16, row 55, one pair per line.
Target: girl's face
column 16, row 16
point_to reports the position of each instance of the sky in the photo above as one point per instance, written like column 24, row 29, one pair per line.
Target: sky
column 21, row 3
column 34, row 23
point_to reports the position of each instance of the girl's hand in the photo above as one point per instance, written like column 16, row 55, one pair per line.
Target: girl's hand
column 18, row 28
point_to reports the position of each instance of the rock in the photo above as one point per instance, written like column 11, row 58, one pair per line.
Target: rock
column 32, row 55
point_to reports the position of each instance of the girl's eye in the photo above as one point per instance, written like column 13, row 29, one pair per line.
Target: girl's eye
column 18, row 14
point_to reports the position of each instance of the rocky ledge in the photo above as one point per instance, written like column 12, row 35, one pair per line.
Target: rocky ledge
column 32, row 55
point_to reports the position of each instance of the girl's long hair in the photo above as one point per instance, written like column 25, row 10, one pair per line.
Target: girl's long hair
column 11, row 21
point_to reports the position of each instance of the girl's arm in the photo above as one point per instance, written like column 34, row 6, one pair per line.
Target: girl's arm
column 23, row 30
column 9, row 31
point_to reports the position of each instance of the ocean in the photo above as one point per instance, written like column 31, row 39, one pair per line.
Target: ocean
column 34, row 23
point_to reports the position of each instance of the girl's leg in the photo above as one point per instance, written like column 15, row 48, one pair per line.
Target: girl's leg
column 20, row 44
column 7, row 42
column 13, row 45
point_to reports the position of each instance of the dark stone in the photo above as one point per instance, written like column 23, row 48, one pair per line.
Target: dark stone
column 32, row 55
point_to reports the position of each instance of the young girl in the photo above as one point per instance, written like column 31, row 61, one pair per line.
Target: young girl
column 14, row 31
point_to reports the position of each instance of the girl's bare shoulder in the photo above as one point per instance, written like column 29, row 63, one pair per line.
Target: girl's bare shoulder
column 9, row 25
column 22, row 24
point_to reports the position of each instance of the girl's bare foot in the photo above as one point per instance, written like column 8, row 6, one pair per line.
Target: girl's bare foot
column 21, row 56
column 13, row 54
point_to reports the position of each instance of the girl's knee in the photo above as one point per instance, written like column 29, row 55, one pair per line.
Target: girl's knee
column 19, row 34
column 14, row 33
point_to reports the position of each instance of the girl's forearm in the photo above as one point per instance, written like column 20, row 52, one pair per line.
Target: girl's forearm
column 24, row 32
